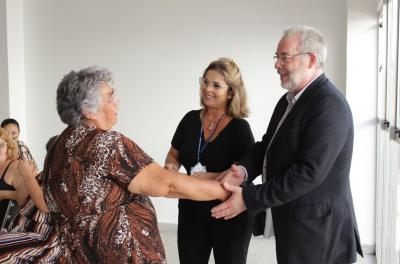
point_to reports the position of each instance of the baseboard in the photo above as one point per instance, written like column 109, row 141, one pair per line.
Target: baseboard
column 368, row 249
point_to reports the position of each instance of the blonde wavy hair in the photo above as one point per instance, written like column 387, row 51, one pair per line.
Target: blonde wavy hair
column 237, row 105
column 12, row 146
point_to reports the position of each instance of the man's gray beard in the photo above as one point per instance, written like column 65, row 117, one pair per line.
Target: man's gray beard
column 290, row 85
column 294, row 80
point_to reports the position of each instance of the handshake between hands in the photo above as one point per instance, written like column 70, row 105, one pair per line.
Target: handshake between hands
column 234, row 205
column 230, row 180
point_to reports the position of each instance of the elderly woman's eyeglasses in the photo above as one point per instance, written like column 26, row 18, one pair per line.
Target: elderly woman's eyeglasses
column 111, row 98
column 285, row 58
column 204, row 83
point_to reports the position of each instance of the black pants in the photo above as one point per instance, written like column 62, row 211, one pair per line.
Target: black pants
column 199, row 232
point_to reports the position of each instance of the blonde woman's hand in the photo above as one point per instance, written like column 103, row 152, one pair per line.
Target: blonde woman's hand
column 206, row 175
column 171, row 167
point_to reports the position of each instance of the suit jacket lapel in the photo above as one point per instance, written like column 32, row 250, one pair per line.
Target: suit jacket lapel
column 275, row 118
column 304, row 98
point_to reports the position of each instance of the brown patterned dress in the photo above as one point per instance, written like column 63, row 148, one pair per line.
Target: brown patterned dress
column 86, row 175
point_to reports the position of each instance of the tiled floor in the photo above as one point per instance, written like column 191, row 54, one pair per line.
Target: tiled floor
column 260, row 250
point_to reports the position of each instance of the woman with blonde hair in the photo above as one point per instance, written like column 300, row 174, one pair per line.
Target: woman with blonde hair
column 206, row 142
column 33, row 238
column 10, row 180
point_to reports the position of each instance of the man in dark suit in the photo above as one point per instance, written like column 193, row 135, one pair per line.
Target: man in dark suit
column 304, row 159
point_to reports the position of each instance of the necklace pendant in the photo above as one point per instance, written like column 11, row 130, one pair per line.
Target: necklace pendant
column 211, row 126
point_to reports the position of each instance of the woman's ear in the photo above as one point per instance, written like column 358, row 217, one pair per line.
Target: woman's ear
column 89, row 115
column 230, row 94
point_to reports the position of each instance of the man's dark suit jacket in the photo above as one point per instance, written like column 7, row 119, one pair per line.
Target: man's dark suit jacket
column 308, row 188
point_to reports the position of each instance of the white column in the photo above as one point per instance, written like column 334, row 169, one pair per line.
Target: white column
column 16, row 63
column 4, row 98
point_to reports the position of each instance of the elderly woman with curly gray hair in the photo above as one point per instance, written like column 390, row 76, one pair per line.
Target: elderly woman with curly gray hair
column 97, row 181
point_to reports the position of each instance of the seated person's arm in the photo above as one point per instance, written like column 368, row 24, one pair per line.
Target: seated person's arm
column 8, row 195
column 26, row 172
column 153, row 180
column 13, row 178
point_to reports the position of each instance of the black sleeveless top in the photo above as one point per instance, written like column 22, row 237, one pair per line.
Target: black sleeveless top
column 4, row 187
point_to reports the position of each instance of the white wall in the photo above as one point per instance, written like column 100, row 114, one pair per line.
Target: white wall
column 12, row 71
column 157, row 50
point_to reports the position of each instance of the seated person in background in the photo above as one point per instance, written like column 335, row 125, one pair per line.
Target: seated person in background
column 10, row 181
column 96, row 181
column 12, row 127
column 33, row 238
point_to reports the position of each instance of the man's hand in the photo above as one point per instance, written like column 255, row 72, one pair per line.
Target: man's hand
column 231, row 207
column 235, row 176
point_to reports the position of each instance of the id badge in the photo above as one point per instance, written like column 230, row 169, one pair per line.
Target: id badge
column 197, row 168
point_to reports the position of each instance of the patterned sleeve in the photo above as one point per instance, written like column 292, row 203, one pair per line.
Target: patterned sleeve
column 25, row 154
column 129, row 159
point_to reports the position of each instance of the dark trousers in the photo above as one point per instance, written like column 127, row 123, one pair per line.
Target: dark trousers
column 198, row 233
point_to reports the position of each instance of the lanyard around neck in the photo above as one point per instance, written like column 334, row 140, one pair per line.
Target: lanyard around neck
column 200, row 149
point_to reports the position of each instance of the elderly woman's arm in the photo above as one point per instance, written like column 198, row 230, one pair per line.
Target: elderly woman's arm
column 153, row 180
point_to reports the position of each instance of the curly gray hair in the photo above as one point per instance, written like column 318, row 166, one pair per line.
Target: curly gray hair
column 311, row 40
column 79, row 92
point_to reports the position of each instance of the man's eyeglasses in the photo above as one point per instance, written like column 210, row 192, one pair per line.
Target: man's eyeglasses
column 204, row 83
column 285, row 58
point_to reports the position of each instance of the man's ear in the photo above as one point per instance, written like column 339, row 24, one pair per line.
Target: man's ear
column 313, row 60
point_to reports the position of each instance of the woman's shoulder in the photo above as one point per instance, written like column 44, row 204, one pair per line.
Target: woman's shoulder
column 116, row 138
column 13, row 165
column 12, row 171
column 110, row 135
column 240, row 123
column 190, row 117
column 192, row 114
